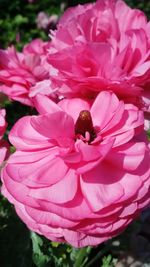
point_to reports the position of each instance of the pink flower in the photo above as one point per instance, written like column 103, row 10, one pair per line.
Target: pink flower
column 20, row 71
column 3, row 123
column 79, row 174
column 31, row 1
column 102, row 46
column 44, row 21
column 3, row 144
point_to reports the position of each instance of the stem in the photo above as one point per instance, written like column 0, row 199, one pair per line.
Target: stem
column 89, row 248
column 81, row 255
column 99, row 255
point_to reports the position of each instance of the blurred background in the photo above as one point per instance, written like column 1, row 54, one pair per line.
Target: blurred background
column 23, row 20
column 20, row 22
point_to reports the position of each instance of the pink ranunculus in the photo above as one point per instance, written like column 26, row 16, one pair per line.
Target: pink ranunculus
column 102, row 46
column 31, row 1
column 3, row 123
column 3, row 144
column 42, row 20
column 46, row 22
column 79, row 175
column 20, row 71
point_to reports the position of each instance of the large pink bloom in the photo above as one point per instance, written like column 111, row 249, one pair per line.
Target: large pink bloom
column 79, row 174
column 103, row 46
column 19, row 72
column 3, row 144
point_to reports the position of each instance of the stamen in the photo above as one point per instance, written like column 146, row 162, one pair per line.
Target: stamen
column 84, row 125
column 87, row 136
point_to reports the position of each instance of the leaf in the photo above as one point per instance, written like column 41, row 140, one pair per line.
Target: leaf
column 107, row 261
column 39, row 258
column 19, row 19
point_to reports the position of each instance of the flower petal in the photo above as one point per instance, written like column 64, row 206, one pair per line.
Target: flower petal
column 54, row 126
column 61, row 192
column 45, row 105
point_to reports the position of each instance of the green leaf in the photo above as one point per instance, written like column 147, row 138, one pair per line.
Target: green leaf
column 107, row 261
column 19, row 19
column 39, row 258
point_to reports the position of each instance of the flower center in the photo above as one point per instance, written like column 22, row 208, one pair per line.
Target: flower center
column 84, row 127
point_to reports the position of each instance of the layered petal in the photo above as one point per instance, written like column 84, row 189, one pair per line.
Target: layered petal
column 80, row 173
column 94, row 49
column 20, row 71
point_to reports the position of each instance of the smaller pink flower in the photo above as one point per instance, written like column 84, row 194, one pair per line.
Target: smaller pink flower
column 20, row 71
column 31, row 1
column 3, row 123
column 3, row 144
column 79, row 174
column 44, row 21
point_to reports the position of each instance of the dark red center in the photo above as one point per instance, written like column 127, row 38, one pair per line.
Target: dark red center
column 84, row 124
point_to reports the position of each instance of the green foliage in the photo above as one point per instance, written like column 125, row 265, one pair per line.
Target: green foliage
column 39, row 258
column 46, row 253
column 107, row 261
column 21, row 248
column 18, row 20
column 148, row 133
column 15, row 245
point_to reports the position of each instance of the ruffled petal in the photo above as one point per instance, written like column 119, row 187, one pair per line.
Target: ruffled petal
column 59, row 192
column 44, row 104
column 100, row 186
column 104, row 108
column 46, row 125
column 23, row 136
column 74, row 106
column 128, row 157
column 46, row 169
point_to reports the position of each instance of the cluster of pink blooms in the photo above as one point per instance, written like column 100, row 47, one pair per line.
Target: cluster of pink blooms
column 81, row 170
